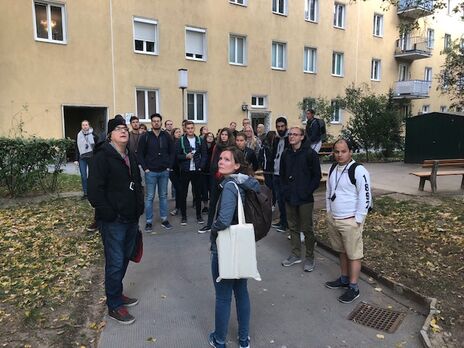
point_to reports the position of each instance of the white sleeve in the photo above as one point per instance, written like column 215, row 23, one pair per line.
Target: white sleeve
column 363, row 189
column 327, row 192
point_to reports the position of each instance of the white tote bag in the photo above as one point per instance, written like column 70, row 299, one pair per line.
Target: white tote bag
column 236, row 248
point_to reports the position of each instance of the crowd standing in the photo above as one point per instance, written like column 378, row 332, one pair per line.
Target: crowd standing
column 125, row 165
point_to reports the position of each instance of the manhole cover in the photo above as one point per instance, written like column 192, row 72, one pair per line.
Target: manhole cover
column 377, row 318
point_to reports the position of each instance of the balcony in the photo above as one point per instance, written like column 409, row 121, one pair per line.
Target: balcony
column 414, row 9
column 412, row 48
column 411, row 89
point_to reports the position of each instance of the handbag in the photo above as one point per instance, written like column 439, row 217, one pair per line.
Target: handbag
column 236, row 249
column 137, row 253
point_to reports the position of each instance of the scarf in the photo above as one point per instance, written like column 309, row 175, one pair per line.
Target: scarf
column 85, row 141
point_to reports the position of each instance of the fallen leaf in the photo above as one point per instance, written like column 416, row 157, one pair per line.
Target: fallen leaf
column 380, row 337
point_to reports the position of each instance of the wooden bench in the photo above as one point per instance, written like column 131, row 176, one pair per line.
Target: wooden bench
column 443, row 167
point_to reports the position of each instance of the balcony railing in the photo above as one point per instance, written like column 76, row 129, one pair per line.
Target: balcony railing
column 412, row 48
column 415, row 8
column 412, row 89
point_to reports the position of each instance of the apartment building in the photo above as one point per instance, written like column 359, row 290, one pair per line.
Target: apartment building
column 65, row 61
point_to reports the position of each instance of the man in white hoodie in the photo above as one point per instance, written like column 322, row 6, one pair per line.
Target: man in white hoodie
column 348, row 198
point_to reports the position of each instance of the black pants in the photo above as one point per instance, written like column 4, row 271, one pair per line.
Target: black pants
column 185, row 179
column 175, row 181
column 213, row 198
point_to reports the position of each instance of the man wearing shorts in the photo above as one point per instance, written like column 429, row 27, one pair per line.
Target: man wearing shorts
column 348, row 198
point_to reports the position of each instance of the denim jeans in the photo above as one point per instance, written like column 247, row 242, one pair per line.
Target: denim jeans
column 118, row 244
column 83, row 165
column 151, row 180
column 280, row 200
column 223, row 302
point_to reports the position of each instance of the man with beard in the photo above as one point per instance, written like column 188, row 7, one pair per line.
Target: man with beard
column 134, row 134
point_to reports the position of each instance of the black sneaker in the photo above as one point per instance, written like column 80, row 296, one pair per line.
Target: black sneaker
column 200, row 220
column 336, row 284
column 166, row 224
column 213, row 343
column 174, row 212
column 92, row 228
column 183, row 222
column 349, row 296
column 279, row 228
column 148, row 227
column 204, row 229
column 129, row 302
column 121, row 315
column 205, row 210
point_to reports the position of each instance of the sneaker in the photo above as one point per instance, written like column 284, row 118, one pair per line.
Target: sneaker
column 291, row 260
column 349, row 296
column 273, row 208
column 204, row 229
column 337, row 284
column 213, row 343
column 92, row 228
column 309, row 265
column 279, row 228
column 205, row 210
column 174, row 212
column 129, row 302
column 166, row 224
column 121, row 315
column 200, row 220
column 148, row 227
column 289, row 236
column 244, row 344
column 183, row 222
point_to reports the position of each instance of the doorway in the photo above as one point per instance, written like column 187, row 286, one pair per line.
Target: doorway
column 262, row 117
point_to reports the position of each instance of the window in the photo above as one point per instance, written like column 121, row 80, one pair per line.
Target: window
column 237, row 49
column 378, row 25
column 145, row 36
column 403, row 72
column 195, row 43
column 425, row 109
column 258, row 101
column 279, row 7
column 147, row 103
column 311, row 10
column 447, row 42
column 309, row 60
column 239, row 2
column 337, row 64
column 279, row 55
column 337, row 112
column 430, row 38
column 375, row 69
column 49, row 22
column 428, row 74
column 443, row 108
column 196, row 107
column 339, row 16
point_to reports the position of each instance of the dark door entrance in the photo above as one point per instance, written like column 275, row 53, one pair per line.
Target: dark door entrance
column 260, row 117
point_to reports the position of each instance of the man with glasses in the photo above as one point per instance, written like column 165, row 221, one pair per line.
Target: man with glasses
column 156, row 156
column 115, row 192
column 300, row 173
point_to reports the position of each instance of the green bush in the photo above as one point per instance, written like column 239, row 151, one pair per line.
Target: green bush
column 26, row 164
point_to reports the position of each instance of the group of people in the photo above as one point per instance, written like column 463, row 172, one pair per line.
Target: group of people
column 211, row 164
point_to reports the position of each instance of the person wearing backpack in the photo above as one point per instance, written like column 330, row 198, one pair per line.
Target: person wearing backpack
column 300, row 172
column 348, row 199
column 315, row 130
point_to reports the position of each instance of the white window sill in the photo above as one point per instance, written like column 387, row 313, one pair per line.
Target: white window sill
column 341, row 28
column 234, row 3
column 378, row 36
column 339, row 76
column 310, row 72
column 199, row 121
column 278, row 69
column 64, row 42
column 146, row 53
column 335, row 122
column 311, row 21
column 195, row 59
column 238, row 64
column 375, row 80
column 257, row 107
column 280, row 14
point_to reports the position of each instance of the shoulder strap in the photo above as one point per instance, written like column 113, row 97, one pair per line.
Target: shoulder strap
column 332, row 167
column 351, row 173
column 182, row 144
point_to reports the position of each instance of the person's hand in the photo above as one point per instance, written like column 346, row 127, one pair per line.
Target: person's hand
column 76, row 163
column 189, row 155
column 147, row 170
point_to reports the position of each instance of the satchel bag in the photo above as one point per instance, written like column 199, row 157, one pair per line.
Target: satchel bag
column 138, row 248
column 236, row 248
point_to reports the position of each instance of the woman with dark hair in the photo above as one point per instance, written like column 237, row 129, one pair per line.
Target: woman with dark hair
column 225, row 139
column 266, row 161
column 174, row 174
column 208, row 142
column 234, row 170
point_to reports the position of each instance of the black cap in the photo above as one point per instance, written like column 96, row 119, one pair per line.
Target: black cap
column 114, row 122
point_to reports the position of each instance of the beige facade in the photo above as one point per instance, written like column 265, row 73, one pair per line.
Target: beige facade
column 115, row 55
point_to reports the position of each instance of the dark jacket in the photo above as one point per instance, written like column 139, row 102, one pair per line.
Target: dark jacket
column 109, row 186
column 209, row 156
column 313, row 131
column 156, row 153
column 265, row 159
column 183, row 148
column 300, row 174
column 250, row 158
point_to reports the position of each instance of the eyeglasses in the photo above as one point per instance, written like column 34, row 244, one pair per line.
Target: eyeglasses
column 295, row 134
column 121, row 129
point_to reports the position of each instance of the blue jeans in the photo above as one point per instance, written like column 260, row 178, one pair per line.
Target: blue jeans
column 280, row 200
column 223, row 301
column 83, row 165
column 118, row 244
column 151, row 180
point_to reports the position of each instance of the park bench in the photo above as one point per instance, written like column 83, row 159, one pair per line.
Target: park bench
column 443, row 167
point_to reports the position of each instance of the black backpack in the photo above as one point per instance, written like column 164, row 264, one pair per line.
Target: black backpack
column 322, row 129
column 258, row 210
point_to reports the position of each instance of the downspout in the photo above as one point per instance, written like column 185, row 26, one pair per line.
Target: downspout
column 112, row 59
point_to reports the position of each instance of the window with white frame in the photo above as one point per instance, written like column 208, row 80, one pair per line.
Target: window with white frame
column 50, row 22
column 337, row 64
column 337, row 112
column 376, row 69
column 430, row 38
column 279, row 55
column 258, row 101
column 239, row 2
column 310, row 55
column 378, row 25
column 147, row 102
column 196, row 106
column 447, row 42
column 339, row 16
column 195, row 43
column 403, row 72
column 428, row 74
column 443, row 108
column 279, row 6
column 237, row 49
column 145, row 36
column 425, row 109
column 311, row 10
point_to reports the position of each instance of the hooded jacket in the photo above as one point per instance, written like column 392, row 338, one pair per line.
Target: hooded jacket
column 113, row 190
column 183, row 148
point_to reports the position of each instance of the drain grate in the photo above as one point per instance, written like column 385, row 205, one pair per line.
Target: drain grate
column 377, row 318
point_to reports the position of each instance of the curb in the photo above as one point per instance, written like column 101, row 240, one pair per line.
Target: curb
column 399, row 288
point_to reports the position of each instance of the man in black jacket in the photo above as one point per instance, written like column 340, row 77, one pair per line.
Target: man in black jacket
column 115, row 191
column 156, row 156
column 300, row 173
column 313, row 131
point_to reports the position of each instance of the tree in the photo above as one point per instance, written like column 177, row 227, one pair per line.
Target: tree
column 451, row 77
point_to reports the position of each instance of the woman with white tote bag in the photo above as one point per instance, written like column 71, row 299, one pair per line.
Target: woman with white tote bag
column 233, row 168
